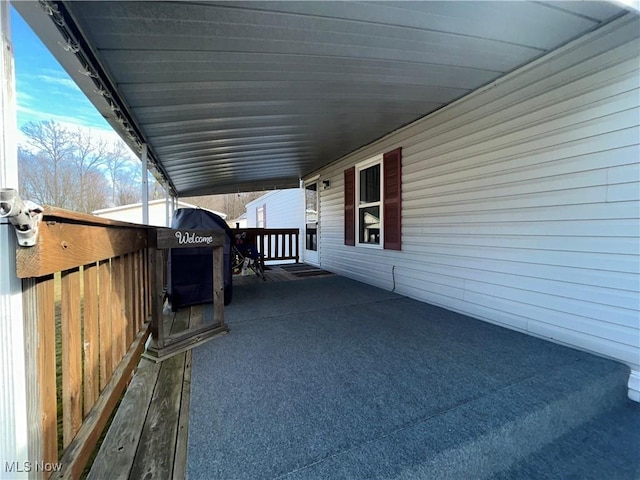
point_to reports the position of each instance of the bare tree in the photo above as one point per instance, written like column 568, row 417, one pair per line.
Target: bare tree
column 128, row 185
column 233, row 204
column 156, row 190
column 51, row 147
column 89, row 153
column 120, row 172
column 79, row 171
column 96, row 192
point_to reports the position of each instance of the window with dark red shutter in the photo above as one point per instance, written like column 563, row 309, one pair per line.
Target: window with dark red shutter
column 376, row 218
column 349, row 206
column 392, row 199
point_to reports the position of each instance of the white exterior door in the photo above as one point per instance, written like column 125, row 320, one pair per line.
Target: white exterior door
column 311, row 223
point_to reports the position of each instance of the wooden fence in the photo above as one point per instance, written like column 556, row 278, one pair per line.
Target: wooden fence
column 86, row 298
column 275, row 244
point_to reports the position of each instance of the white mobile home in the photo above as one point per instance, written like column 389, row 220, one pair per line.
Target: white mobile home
column 159, row 213
column 281, row 209
column 277, row 209
column 517, row 204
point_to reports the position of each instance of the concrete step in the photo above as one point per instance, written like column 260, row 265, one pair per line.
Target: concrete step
column 489, row 435
column 607, row 447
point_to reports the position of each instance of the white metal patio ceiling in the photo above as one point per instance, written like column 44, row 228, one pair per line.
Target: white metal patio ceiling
column 233, row 96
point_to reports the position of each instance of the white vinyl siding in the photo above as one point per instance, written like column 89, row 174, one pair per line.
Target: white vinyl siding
column 284, row 208
column 521, row 200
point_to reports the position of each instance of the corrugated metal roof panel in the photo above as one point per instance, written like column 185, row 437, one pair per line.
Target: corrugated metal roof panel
column 243, row 95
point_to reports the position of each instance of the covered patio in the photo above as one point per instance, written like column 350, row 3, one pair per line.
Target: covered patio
column 506, row 134
column 333, row 378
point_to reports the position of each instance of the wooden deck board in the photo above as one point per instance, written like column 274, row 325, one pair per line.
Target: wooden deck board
column 156, row 450
column 180, row 459
column 148, row 435
column 119, row 446
column 180, row 321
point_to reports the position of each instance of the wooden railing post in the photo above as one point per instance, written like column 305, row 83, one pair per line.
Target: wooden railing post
column 156, row 285
column 166, row 344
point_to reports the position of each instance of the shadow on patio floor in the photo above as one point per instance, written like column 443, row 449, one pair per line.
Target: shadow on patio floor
column 330, row 378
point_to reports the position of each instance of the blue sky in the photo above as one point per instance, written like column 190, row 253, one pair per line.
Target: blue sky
column 44, row 90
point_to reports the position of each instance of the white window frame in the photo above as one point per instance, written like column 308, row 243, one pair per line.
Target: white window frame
column 260, row 217
column 378, row 159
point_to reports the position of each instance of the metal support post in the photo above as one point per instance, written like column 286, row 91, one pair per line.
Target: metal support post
column 14, row 438
column 145, row 184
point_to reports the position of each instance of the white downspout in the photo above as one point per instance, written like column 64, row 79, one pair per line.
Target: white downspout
column 144, row 160
column 13, row 401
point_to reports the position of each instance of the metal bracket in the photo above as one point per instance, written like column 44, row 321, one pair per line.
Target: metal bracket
column 25, row 216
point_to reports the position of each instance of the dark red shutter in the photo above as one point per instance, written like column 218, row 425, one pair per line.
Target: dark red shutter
column 350, row 206
column 392, row 200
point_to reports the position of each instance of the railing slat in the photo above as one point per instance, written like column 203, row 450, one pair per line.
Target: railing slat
column 128, row 298
column 117, row 332
column 106, row 359
column 71, row 355
column 147, row 282
column 91, row 337
column 275, row 243
column 46, row 319
column 138, row 290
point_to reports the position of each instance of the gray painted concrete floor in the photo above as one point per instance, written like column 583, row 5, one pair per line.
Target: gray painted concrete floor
column 331, row 378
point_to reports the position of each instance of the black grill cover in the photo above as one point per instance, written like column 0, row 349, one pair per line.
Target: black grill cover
column 190, row 271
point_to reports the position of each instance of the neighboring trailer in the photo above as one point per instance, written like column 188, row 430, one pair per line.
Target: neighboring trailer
column 519, row 203
column 157, row 212
column 278, row 209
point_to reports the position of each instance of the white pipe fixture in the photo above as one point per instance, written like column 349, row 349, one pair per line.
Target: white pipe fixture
column 24, row 215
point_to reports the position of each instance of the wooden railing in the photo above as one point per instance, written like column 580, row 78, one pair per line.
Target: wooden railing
column 274, row 244
column 86, row 300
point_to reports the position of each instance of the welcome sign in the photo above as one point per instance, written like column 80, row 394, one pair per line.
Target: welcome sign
column 193, row 238
column 172, row 238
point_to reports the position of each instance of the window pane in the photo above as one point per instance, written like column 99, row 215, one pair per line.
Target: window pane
column 370, row 184
column 260, row 218
column 311, row 203
column 311, row 238
column 370, row 225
